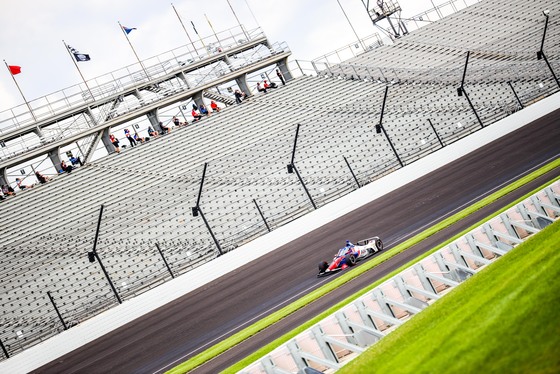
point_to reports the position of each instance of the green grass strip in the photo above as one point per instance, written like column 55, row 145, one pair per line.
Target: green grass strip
column 246, row 333
column 495, row 322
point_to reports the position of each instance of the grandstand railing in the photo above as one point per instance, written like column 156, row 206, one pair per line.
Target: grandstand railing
column 112, row 83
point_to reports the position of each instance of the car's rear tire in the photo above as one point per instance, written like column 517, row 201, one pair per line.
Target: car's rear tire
column 379, row 245
column 350, row 260
column 323, row 266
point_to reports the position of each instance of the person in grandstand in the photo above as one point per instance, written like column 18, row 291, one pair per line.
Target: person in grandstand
column 22, row 186
column 76, row 160
column 202, row 109
column 115, row 142
column 129, row 137
column 41, row 178
column 153, row 133
column 196, row 116
column 65, row 168
column 214, row 106
column 239, row 95
column 260, row 89
column 8, row 190
column 281, row 76
column 271, row 85
column 164, row 129
column 139, row 138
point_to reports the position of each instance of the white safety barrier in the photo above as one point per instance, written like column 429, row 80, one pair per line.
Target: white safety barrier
column 337, row 339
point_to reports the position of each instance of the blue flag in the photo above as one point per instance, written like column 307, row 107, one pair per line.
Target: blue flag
column 128, row 30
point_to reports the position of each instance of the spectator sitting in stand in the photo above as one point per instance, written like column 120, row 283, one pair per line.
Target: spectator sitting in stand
column 202, row 109
column 214, row 106
column 8, row 190
column 176, row 122
column 164, row 129
column 260, row 89
column 41, row 178
column 22, row 186
column 76, row 160
column 195, row 115
column 271, row 85
column 139, row 138
column 153, row 133
column 239, row 95
column 65, row 168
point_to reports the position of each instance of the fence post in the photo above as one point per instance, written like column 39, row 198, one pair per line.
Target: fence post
column 164, row 260
column 197, row 210
column 352, row 172
column 262, row 216
column 4, row 349
column 435, row 132
column 515, row 94
column 56, row 310
column 94, row 255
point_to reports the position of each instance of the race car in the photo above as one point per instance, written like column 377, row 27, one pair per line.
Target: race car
column 350, row 254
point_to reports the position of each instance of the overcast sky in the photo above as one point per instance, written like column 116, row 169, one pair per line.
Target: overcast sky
column 32, row 32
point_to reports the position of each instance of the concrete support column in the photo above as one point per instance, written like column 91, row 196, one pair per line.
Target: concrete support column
column 154, row 120
column 39, row 134
column 109, row 147
column 3, row 177
column 228, row 63
column 198, row 98
column 89, row 114
column 242, row 83
column 182, row 77
column 283, row 66
column 54, row 156
column 138, row 96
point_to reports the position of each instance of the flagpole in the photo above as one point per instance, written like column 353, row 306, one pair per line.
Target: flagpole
column 252, row 14
column 184, row 28
column 22, row 95
column 133, row 50
column 199, row 38
column 77, row 67
column 212, row 27
column 240, row 25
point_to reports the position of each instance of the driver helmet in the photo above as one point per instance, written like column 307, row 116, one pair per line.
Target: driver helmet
column 348, row 243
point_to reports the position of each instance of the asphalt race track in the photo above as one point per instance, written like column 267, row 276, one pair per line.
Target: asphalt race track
column 173, row 333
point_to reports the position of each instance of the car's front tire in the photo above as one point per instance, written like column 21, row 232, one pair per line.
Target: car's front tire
column 350, row 260
column 379, row 245
column 323, row 266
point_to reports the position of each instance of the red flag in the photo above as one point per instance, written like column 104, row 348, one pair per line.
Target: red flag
column 14, row 69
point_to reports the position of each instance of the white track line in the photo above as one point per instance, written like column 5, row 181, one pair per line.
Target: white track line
column 241, row 325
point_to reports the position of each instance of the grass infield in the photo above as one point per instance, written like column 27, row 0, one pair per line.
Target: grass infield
column 495, row 322
column 246, row 333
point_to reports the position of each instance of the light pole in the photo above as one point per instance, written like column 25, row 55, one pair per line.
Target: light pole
column 541, row 54
column 92, row 256
column 379, row 128
column 196, row 210
column 461, row 91
column 292, row 168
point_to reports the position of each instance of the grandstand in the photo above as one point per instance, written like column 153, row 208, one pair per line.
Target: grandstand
column 148, row 191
